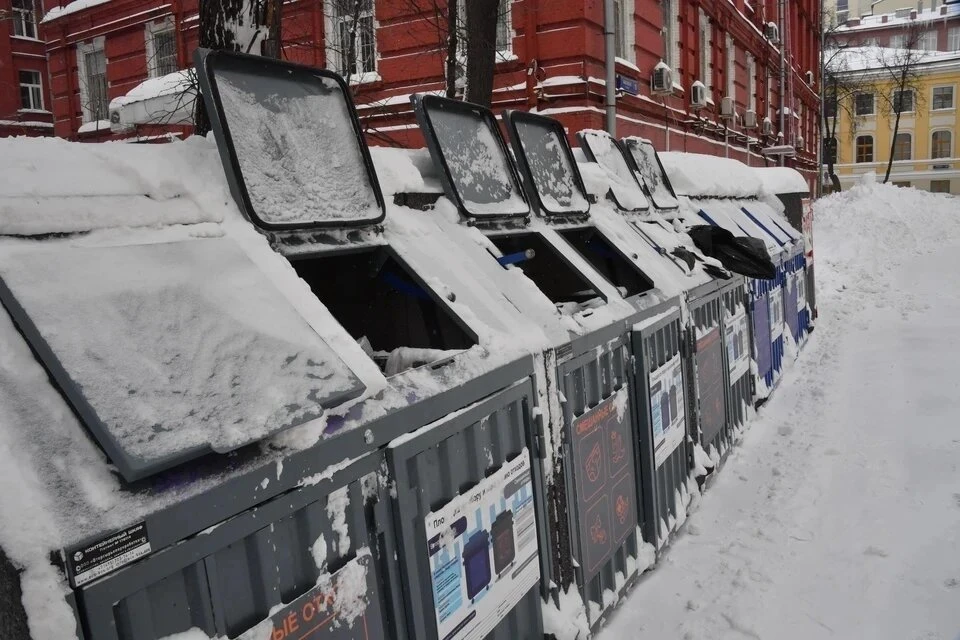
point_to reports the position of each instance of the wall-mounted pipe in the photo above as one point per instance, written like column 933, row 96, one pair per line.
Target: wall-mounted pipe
column 611, row 56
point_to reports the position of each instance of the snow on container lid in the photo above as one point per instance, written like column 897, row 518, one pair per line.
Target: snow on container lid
column 702, row 176
column 290, row 142
column 650, row 168
column 547, row 164
column 465, row 142
column 782, row 180
column 600, row 147
column 170, row 351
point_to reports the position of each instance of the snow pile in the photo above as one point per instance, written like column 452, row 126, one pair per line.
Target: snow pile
column 107, row 185
column 866, row 234
column 178, row 82
column 698, row 175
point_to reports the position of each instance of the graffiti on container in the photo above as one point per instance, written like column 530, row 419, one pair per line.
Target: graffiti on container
column 710, row 381
column 605, row 482
column 667, row 409
column 344, row 605
column 483, row 552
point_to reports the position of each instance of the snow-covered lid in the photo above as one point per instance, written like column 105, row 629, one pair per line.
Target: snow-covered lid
column 651, row 171
column 782, row 180
column 547, row 164
column 290, row 141
column 465, row 143
column 703, row 176
column 600, row 147
column 168, row 351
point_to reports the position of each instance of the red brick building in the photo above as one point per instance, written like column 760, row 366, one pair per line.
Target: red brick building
column 551, row 59
column 24, row 84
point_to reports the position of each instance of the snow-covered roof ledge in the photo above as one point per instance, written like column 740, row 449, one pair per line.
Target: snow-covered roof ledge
column 72, row 7
column 168, row 99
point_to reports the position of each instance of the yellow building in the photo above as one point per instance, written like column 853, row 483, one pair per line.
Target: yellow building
column 926, row 151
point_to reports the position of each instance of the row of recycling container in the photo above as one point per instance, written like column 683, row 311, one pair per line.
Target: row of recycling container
column 485, row 413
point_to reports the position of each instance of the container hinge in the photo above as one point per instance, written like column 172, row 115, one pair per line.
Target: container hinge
column 633, row 364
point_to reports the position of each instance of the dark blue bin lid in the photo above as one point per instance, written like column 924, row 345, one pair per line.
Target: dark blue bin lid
column 291, row 143
column 169, row 351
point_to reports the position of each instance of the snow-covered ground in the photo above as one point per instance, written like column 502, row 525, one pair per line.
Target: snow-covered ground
column 838, row 516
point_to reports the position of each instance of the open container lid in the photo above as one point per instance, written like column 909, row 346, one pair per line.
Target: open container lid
column 602, row 148
column 169, row 351
column 647, row 163
column 546, row 162
column 290, row 141
column 780, row 230
column 477, row 173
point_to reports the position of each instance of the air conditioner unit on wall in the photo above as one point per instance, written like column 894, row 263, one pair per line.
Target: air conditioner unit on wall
column 728, row 108
column 750, row 119
column 661, row 80
column 772, row 32
column 800, row 145
column 698, row 95
column 767, row 127
column 810, row 78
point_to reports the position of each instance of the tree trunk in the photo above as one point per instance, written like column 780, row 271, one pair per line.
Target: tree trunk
column 896, row 123
column 834, row 178
column 481, row 49
column 453, row 35
column 220, row 23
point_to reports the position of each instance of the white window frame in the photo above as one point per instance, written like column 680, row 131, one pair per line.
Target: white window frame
column 35, row 100
column 953, row 39
column 751, row 82
column 731, row 67
column 150, row 30
column 506, row 52
column 22, row 19
column 624, row 17
column 670, row 11
column 83, row 48
column 913, row 101
column 953, row 97
column 949, row 151
column 913, row 140
column 706, row 53
column 331, row 24
column 928, row 41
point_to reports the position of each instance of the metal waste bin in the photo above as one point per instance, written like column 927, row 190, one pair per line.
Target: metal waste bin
column 596, row 278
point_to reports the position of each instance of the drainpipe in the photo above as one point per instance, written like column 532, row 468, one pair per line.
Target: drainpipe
column 783, row 74
column 611, row 54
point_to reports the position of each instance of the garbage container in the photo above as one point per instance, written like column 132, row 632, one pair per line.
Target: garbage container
column 598, row 275
column 791, row 196
column 218, row 393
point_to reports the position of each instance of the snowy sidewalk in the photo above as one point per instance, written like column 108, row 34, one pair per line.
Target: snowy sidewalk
column 839, row 514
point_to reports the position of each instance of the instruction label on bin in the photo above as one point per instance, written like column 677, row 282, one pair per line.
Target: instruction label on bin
column 710, row 381
column 343, row 605
column 108, row 554
column 605, row 479
column 801, row 291
column 667, row 409
column 776, row 313
column 737, row 335
column 483, row 552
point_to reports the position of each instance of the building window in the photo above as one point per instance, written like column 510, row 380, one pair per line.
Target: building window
column 941, row 145
column 942, row 98
column 671, row 42
column 864, row 149
column 505, row 27
column 903, row 101
column 830, row 105
column 504, row 44
column 939, row 186
column 731, row 53
column 353, row 37
column 928, row 41
column 706, row 52
column 92, row 72
column 619, row 38
column 161, row 49
column 863, row 104
column 751, row 83
column 31, row 91
column 903, row 146
column 953, row 39
column 902, row 185
column 897, row 41
column 24, row 19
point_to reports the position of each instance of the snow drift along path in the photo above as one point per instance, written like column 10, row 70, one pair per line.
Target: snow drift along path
column 839, row 514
